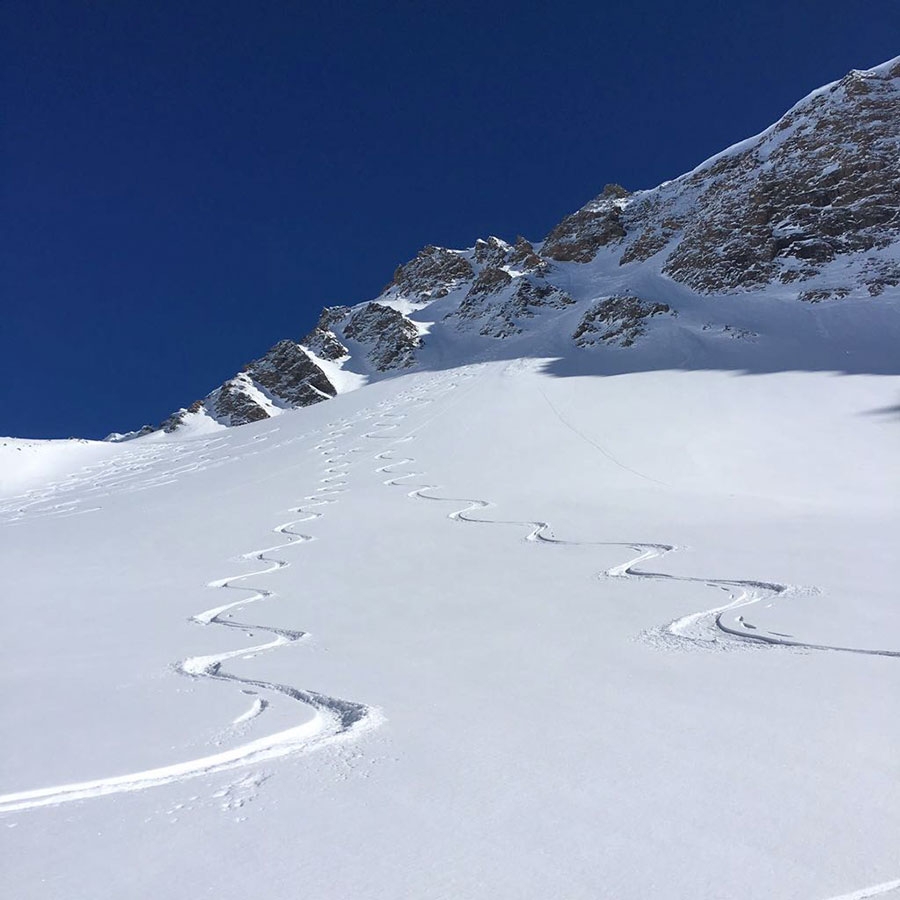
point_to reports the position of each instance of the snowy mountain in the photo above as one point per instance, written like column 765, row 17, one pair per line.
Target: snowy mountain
column 484, row 624
column 807, row 211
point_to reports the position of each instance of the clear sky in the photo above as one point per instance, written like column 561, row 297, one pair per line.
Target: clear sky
column 184, row 183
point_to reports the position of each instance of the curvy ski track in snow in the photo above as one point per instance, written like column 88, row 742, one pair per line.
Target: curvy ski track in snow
column 700, row 629
column 875, row 890
column 706, row 628
column 333, row 718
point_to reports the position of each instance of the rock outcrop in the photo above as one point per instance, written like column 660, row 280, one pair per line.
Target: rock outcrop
column 617, row 320
column 516, row 300
column 432, row 274
column 808, row 211
column 233, row 403
column 579, row 236
column 289, row 376
column 177, row 419
column 392, row 339
column 284, row 378
column 322, row 340
column 510, row 286
column 822, row 183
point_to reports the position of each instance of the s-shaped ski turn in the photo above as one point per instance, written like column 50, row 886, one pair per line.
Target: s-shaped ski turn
column 706, row 628
column 333, row 718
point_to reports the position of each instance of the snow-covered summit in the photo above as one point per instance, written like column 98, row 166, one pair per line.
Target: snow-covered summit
column 812, row 202
column 704, row 270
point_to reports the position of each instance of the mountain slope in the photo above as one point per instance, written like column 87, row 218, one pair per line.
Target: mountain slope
column 484, row 625
column 812, row 202
column 807, row 211
column 476, row 632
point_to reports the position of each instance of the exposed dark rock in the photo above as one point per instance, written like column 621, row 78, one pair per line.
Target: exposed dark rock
column 656, row 236
column 523, row 258
column 332, row 315
column 491, row 252
column 231, row 405
column 288, row 374
column 177, row 418
column 285, row 374
column 879, row 274
column 825, row 182
column 489, row 281
column 579, row 236
column 731, row 331
column 324, row 344
column 617, row 320
column 322, row 340
column 794, row 273
column 432, row 274
column 820, row 294
column 615, row 191
column 392, row 338
column 503, row 317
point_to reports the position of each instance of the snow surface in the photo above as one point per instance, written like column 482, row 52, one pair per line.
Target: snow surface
column 502, row 630
column 24, row 462
column 341, row 378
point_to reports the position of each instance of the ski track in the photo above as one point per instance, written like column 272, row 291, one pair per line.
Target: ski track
column 127, row 474
column 335, row 718
column 705, row 628
column 874, row 890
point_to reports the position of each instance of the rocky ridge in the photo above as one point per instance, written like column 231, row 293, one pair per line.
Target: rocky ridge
column 821, row 184
column 808, row 212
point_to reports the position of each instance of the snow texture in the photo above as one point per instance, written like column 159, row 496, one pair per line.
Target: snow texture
column 485, row 623
column 634, row 636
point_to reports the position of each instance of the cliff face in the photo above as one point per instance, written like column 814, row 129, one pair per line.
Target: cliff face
column 822, row 184
column 809, row 210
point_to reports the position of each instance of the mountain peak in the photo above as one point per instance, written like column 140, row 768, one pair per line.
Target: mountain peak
column 807, row 210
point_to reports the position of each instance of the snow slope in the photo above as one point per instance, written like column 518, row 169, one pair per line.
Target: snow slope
column 496, row 630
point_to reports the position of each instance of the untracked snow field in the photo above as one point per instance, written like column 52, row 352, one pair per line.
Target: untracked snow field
column 478, row 633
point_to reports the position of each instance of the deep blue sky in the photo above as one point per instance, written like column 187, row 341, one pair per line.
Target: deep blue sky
column 184, row 183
